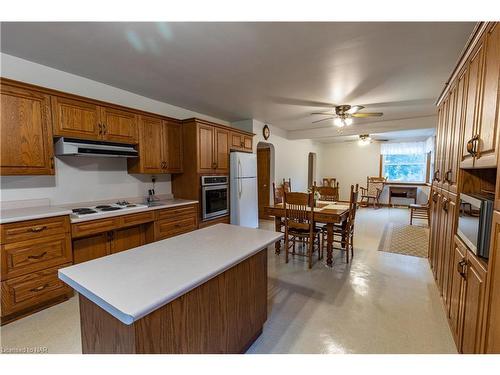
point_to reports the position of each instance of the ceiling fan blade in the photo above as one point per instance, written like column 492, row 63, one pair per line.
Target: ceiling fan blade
column 323, row 113
column 354, row 109
column 367, row 114
column 300, row 102
column 323, row 119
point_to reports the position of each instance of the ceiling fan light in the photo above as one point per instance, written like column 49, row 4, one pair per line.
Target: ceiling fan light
column 364, row 140
column 338, row 122
column 348, row 121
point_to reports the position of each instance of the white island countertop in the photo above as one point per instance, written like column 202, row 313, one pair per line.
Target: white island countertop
column 131, row 284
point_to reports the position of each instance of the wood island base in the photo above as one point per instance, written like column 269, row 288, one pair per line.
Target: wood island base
column 226, row 314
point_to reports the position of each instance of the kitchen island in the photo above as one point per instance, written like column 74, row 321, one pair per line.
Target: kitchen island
column 200, row 292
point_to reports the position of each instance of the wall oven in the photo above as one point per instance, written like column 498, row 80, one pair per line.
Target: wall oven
column 214, row 196
column 474, row 222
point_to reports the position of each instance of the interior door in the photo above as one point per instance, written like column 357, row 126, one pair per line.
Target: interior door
column 26, row 119
column 263, row 179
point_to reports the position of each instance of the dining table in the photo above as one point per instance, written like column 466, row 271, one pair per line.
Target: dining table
column 325, row 212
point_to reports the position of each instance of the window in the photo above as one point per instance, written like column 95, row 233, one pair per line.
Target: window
column 405, row 167
column 407, row 161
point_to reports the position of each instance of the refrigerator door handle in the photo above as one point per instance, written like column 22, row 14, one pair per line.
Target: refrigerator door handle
column 240, row 183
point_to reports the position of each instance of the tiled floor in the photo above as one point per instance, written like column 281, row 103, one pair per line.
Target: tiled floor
column 380, row 303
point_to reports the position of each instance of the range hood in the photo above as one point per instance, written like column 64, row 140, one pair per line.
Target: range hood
column 82, row 147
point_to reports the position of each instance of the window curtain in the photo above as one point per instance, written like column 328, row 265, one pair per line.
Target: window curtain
column 405, row 148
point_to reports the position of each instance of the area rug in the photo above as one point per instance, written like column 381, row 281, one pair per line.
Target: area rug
column 405, row 239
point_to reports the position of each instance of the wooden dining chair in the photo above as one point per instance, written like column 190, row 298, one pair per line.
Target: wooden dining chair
column 373, row 190
column 343, row 233
column 287, row 185
column 329, row 181
column 278, row 194
column 299, row 226
column 421, row 211
column 329, row 193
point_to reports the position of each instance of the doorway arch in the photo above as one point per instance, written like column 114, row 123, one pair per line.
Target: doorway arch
column 265, row 175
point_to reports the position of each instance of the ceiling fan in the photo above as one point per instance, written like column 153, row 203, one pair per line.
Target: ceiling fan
column 366, row 139
column 343, row 114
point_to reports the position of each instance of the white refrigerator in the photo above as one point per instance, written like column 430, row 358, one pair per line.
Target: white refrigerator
column 243, row 184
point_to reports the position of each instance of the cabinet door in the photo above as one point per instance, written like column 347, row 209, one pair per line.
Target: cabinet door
column 222, row 150
column 435, row 226
column 443, row 222
column 26, row 141
column 89, row 248
column 75, row 118
column 438, row 172
column 471, row 105
column 493, row 331
column 450, row 212
column 172, row 146
column 457, row 291
column 118, row 125
column 150, row 151
column 206, row 148
column 488, row 117
column 127, row 238
column 247, row 143
column 237, row 142
column 444, row 140
column 473, row 305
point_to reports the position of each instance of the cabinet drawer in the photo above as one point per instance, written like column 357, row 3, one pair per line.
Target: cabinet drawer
column 140, row 218
column 28, row 256
column 30, row 290
column 27, row 230
column 174, row 213
column 168, row 228
column 95, row 226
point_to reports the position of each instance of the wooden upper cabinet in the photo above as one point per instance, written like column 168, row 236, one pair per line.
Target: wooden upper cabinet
column 118, row 125
column 443, row 140
column 80, row 119
column 488, row 117
column 206, row 148
column 221, row 150
column 160, row 147
column 26, row 141
column 172, row 146
column 75, row 118
column 470, row 108
column 241, row 142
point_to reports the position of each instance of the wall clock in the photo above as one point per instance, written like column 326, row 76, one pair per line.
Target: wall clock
column 266, row 132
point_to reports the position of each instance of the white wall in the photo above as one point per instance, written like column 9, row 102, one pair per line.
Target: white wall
column 290, row 156
column 84, row 179
column 350, row 164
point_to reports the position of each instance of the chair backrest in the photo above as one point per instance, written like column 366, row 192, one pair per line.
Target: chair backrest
column 287, row 185
column 329, row 181
column 353, row 204
column 298, row 211
column 278, row 194
column 328, row 193
column 375, row 185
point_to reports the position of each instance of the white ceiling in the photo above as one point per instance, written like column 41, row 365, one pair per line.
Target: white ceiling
column 275, row 72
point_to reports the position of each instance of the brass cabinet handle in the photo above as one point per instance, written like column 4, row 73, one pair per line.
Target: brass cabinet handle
column 472, row 145
column 460, row 268
column 40, row 288
column 37, row 256
column 38, row 229
column 51, row 162
column 436, row 175
column 100, row 129
column 446, row 204
column 447, row 175
column 104, row 129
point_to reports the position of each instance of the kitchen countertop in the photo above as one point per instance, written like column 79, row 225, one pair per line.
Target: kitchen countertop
column 38, row 212
column 131, row 284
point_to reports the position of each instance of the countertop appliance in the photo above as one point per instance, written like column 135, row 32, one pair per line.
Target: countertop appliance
column 244, row 203
column 474, row 222
column 80, row 147
column 101, row 209
column 214, row 196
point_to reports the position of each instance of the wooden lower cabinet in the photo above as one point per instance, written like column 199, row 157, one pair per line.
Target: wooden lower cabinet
column 174, row 221
column 493, row 307
column 457, row 290
column 127, row 238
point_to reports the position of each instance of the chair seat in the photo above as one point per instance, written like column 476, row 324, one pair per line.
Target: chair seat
column 419, row 206
column 302, row 232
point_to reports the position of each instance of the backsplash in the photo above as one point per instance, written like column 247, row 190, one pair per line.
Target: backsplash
column 82, row 179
